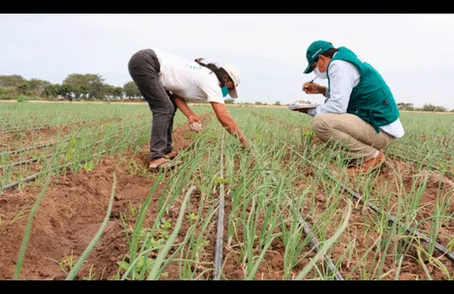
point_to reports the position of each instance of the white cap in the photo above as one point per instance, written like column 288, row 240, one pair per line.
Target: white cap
column 234, row 74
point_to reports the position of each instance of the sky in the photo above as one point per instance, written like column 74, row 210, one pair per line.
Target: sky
column 413, row 52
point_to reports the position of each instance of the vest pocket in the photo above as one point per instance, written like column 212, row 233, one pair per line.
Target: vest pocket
column 387, row 99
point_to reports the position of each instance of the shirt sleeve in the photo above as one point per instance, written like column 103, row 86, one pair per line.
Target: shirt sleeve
column 343, row 77
column 212, row 91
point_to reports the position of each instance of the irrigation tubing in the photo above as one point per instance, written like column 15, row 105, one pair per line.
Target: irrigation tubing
column 33, row 177
column 17, row 130
column 421, row 163
column 316, row 244
column 6, row 166
column 42, row 146
column 391, row 219
column 37, row 147
column 220, row 221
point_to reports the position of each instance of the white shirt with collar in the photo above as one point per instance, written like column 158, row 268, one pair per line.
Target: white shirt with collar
column 343, row 77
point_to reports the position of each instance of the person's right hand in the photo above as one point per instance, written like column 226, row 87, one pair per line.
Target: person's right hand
column 311, row 88
column 246, row 143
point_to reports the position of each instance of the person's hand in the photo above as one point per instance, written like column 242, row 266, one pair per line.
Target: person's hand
column 311, row 88
column 195, row 126
column 246, row 143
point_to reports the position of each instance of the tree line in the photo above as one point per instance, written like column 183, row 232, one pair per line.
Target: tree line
column 426, row 107
column 92, row 87
column 74, row 86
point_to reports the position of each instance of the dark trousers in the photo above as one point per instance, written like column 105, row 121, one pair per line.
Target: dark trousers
column 144, row 68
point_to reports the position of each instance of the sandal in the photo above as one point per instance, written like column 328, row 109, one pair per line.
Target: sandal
column 162, row 164
column 171, row 155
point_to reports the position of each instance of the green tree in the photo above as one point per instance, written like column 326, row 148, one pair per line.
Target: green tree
column 109, row 92
column 22, row 88
column 11, row 81
column 96, row 88
column 131, row 90
column 118, row 92
column 8, row 93
column 66, row 91
column 86, row 85
column 73, row 84
column 405, row 106
column 36, row 87
column 51, row 90
column 229, row 101
column 430, row 107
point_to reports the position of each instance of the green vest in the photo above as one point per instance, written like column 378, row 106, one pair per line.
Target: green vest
column 371, row 99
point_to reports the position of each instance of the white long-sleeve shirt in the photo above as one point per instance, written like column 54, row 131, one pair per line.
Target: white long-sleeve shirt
column 343, row 77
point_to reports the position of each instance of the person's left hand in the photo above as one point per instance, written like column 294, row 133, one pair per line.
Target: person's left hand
column 195, row 126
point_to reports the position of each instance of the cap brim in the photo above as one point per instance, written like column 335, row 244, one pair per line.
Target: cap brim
column 308, row 68
column 233, row 93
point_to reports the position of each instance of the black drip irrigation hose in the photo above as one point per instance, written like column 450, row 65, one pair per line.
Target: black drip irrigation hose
column 28, row 130
column 37, row 159
column 15, row 184
column 316, row 244
column 220, row 222
column 37, row 147
column 391, row 219
column 44, row 145
column 32, row 177
column 420, row 163
column 6, row 166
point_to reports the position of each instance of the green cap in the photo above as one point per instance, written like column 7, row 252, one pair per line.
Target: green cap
column 314, row 50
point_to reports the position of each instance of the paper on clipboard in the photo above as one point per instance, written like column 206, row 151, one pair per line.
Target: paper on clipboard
column 301, row 105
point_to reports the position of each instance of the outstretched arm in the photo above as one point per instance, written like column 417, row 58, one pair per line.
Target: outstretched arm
column 228, row 123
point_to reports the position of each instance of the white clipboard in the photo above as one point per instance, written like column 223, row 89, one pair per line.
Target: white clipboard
column 295, row 106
